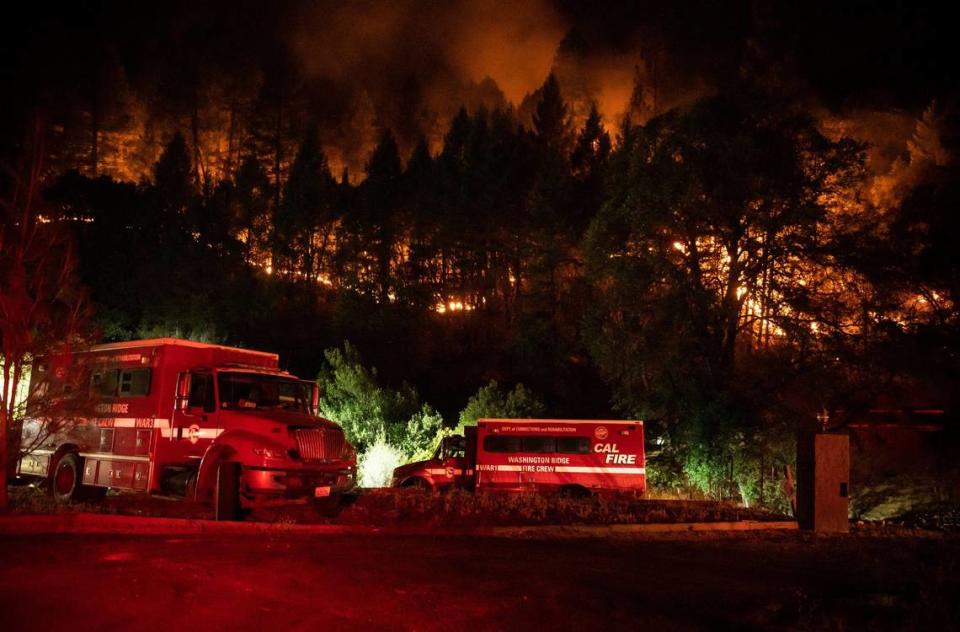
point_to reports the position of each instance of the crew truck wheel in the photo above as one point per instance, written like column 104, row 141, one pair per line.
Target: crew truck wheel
column 226, row 492
column 66, row 483
column 575, row 491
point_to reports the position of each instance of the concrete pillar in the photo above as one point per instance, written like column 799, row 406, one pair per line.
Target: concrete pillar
column 823, row 475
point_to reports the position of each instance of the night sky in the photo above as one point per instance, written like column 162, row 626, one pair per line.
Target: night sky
column 410, row 66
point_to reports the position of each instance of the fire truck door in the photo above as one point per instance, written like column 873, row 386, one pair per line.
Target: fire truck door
column 455, row 470
column 454, row 461
column 195, row 416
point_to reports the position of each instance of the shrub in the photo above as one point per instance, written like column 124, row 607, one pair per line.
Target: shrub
column 377, row 462
column 368, row 412
column 421, row 434
column 491, row 402
column 726, row 454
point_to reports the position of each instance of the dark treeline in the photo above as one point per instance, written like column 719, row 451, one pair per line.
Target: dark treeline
column 448, row 270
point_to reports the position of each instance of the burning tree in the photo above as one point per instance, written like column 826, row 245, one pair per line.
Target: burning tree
column 43, row 312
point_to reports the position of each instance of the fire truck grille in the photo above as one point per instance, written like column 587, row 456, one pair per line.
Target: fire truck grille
column 321, row 445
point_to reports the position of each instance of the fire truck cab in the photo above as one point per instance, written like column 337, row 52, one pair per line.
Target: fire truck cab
column 535, row 455
column 181, row 418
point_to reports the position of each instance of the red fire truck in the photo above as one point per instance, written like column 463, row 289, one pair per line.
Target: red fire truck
column 179, row 418
column 577, row 457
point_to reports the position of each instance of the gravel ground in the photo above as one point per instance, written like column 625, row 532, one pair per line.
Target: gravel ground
column 872, row 579
column 395, row 507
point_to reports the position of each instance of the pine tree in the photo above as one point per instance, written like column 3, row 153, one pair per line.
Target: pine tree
column 275, row 126
column 550, row 121
column 252, row 219
column 302, row 222
column 173, row 175
column 418, row 277
column 588, row 163
column 592, row 148
column 638, row 108
column 379, row 200
column 171, row 219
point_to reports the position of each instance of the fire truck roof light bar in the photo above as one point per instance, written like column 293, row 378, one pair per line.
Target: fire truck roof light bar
column 159, row 342
column 564, row 421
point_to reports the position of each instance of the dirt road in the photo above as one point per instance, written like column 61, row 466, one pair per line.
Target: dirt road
column 307, row 582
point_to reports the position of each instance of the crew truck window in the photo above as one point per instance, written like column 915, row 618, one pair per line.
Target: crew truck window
column 120, row 382
column 103, row 383
column 538, row 444
column 501, row 443
column 573, row 445
column 562, row 445
column 134, row 382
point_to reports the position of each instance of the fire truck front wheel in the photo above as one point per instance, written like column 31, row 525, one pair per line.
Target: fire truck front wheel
column 66, row 485
column 226, row 491
column 418, row 483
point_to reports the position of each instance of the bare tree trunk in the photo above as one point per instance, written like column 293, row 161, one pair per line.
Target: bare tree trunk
column 198, row 174
column 654, row 82
column 4, row 423
column 4, row 495
column 277, row 154
column 95, row 139
column 761, row 476
column 731, row 315
column 231, row 139
column 277, row 162
column 9, row 426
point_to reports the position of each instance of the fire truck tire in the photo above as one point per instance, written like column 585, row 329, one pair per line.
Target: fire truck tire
column 417, row 483
column 329, row 507
column 226, row 492
column 66, row 485
column 190, row 489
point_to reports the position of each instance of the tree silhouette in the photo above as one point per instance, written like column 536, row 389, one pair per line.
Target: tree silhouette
column 714, row 213
column 303, row 223
column 550, row 118
column 379, row 200
column 43, row 311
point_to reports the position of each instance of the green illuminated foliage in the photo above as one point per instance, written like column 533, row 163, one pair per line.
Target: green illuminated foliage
column 372, row 414
column 491, row 402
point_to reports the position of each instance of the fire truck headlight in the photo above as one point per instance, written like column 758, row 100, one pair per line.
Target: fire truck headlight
column 269, row 453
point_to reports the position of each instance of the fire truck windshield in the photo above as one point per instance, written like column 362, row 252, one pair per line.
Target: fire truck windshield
column 240, row 390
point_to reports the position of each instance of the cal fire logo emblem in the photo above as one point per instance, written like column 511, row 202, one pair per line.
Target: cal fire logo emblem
column 600, row 433
column 193, row 433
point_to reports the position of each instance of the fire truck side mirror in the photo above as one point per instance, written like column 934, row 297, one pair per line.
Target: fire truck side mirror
column 183, row 391
column 314, row 389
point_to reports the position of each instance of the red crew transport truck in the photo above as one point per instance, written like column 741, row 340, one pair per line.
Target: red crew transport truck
column 536, row 455
column 180, row 418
